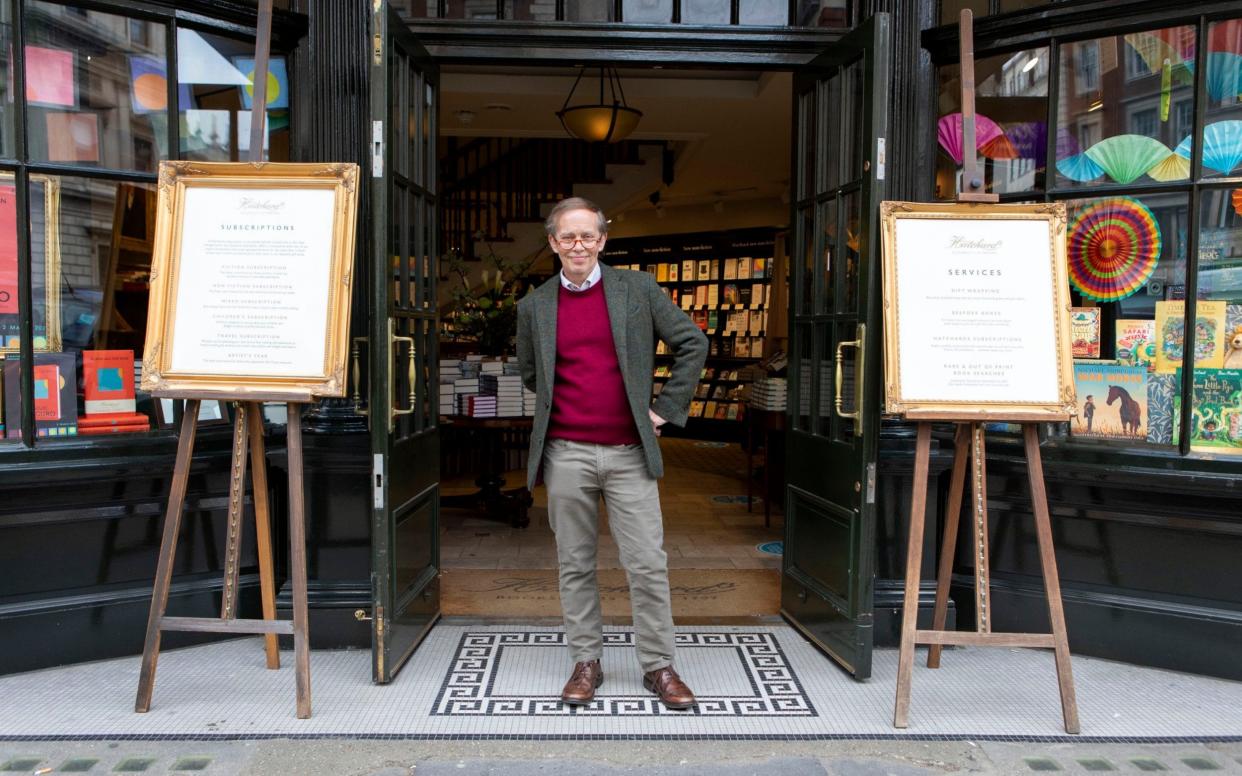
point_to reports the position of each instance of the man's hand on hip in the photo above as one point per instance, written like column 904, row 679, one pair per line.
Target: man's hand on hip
column 656, row 422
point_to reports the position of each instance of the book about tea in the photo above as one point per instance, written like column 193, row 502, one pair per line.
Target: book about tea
column 1209, row 336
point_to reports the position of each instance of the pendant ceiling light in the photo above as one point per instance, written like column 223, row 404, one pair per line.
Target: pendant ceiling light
column 600, row 121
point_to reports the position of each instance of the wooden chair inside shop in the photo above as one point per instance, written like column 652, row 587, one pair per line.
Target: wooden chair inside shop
column 122, row 313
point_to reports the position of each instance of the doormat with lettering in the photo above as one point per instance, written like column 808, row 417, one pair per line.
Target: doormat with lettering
column 533, row 592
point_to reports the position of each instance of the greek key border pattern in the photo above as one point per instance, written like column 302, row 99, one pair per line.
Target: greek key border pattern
column 467, row 688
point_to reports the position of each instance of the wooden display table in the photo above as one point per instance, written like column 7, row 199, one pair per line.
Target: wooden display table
column 491, row 498
column 764, row 426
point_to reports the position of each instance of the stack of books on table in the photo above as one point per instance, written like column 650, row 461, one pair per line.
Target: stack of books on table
column 769, row 393
column 449, row 372
column 476, row 406
column 507, row 389
column 113, row 423
column 528, row 402
column 463, row 387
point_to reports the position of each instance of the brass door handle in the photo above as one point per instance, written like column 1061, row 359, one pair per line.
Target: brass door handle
column 357, row 371
column 858, row 344
column 393, row 410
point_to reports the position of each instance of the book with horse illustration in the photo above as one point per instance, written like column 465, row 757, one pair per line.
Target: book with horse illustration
column 1112, row 400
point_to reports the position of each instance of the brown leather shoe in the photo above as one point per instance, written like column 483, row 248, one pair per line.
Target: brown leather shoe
column 580, row 689
column 668, row 685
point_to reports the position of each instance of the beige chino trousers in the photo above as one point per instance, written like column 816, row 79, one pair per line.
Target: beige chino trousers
column 577, row 475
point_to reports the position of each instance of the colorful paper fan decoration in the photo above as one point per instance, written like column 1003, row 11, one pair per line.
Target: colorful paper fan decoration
column 1222, row 145
column 1173, row 168
column 1113, row 248
column 1030, row 140
column 1224, row 75
column 1079, row 168
column 949, row 133
column 1125, row 158
column 999, row 147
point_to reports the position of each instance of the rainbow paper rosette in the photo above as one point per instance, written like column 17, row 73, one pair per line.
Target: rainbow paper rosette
column 1113, row 247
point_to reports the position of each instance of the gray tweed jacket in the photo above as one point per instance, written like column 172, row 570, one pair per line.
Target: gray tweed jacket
column 639, row 312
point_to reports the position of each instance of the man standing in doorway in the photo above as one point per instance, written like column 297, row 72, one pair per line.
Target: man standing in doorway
column 586, row 346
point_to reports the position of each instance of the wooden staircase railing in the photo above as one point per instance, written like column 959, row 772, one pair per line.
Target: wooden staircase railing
column 488, row 183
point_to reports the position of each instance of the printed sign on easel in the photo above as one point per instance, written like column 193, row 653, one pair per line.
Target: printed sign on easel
column 977, row 329
column 976, row 312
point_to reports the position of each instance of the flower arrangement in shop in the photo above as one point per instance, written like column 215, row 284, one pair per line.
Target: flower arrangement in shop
column 485, row 305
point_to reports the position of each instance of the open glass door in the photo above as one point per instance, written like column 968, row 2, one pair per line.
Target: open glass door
column 840, row 120
column 403, row 407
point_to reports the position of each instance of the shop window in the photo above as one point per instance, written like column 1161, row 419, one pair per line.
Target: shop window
column 216, row 77
column 763, row 12
column 705, row 11
column 7, row 149
column 526, row 10
column 1127, row 269
column 96, row 92
column 1011, row 130
column 470, row 9
column 951, row 10
column 1123, row 127
column 1222, row 128
column 647, row 11
column 1216, row 394
column 588, row 10
column 824, row 13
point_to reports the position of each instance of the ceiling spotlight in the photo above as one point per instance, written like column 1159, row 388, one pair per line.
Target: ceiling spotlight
column 465, row 116
column 600, row 121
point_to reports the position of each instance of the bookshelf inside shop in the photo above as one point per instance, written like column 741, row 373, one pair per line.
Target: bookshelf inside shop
column 724, row 282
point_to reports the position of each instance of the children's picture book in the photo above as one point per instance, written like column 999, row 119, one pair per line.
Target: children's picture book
column 1216, row 417
column 1136, row 342
column 1209, row 338
column 108, row 381
column 1160, row 413
column 55, row 395
column 1112, row 400
column 1085, row 332
column 1233, row 336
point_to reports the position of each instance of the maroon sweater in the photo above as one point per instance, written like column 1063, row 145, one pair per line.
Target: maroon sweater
column 588, row 396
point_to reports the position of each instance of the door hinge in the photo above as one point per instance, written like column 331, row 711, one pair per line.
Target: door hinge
column 377, row 481
column 377, row 149
column 879, row 158
column 870, row 498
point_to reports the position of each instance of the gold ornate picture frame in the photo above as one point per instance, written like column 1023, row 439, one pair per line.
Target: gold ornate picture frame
column 251, row 281
column 976, row 312
column 45, row 275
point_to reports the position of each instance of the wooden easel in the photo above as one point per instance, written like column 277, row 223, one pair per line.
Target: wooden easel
column 247, row 435
column 969, row 442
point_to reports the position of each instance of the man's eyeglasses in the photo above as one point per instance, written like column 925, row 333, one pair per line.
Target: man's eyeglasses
column 566, row 241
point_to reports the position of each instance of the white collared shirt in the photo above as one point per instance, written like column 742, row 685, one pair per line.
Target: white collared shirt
column 591, row 280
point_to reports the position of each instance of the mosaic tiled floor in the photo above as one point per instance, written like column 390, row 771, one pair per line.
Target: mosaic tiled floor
column 472, row 681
